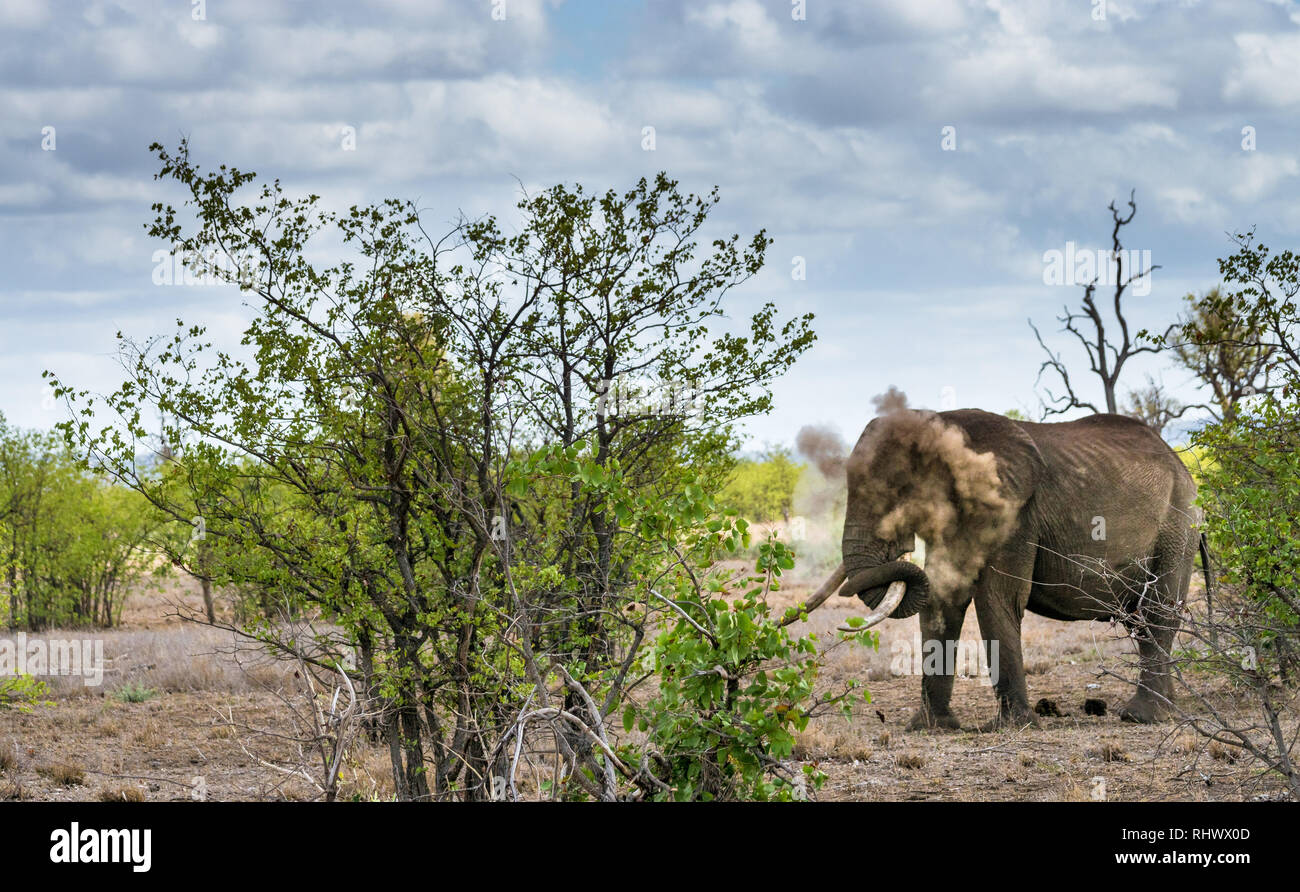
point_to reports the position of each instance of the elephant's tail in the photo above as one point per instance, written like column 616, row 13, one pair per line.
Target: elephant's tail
column 1205, row 564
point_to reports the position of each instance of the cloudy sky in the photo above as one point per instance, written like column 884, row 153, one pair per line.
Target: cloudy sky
column 825, row 122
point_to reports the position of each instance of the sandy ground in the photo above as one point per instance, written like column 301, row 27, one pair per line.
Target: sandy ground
column 180, row 743
column 1070, row 756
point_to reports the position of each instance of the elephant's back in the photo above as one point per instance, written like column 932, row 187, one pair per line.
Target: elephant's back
column 1104, row 451
column 1119, row 435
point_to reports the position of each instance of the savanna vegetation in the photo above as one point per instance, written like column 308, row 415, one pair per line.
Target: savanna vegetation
column 485, row 487
column 485, row 463
column 72, row 542
column 1241, row 341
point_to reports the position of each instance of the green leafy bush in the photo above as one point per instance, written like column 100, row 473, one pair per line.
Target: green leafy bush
column 1247, row 463
column 724, row 685
column 734, row 688
column 23, row 693
column 133, row 692
column 368, row 461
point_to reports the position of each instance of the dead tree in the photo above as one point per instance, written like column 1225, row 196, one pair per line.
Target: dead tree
column 1088, row 323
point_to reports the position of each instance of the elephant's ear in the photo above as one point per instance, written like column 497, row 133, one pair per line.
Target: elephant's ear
column 1020, row 464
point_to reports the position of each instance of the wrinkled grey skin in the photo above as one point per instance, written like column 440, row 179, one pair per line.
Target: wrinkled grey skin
column 1059, row 477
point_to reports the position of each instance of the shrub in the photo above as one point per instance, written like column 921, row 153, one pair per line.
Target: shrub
column 23, row 693
column 356, row 465
column 734, row 688
column 763, row 490
column 71, row 543
column 134, row 692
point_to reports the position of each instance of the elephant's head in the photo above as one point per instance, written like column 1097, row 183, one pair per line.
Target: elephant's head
column 914, row 473
column 874, row 542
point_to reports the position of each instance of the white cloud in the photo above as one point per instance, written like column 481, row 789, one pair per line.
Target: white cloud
column 24, row 13
column 1032, row 71
column 1267, row 70
column 1258, row 174
column 1188, row 204
column 930, row 15
column 754, row 31
column 24, row 195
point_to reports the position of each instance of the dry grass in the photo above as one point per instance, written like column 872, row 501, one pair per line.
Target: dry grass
column 222, row 731
column 63, row 774
column 1076, row 792
column 174, row 658
column 851, row 747
column 185, row 731
column 1110, row 751
column 8, row 756
column 368, row 776
column 148, row 734
column 13, row 792
column 121, row 794
column 910, row 761
column 1222, row 753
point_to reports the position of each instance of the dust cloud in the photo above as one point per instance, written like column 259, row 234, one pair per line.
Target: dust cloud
column 891, row 401
column 912, row 473
column 824, row 448
column 818, row 499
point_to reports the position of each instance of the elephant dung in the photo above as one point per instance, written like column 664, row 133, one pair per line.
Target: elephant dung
column 1046, row 707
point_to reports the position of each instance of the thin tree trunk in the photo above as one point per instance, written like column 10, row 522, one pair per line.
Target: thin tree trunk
column 206, row 585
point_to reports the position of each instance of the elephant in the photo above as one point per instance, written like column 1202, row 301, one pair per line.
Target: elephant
column 1078, row 520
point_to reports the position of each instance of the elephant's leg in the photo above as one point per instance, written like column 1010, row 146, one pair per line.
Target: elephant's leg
column 1001, row 595
column 1151, row 702
column 1154, row 628
column 941, row 622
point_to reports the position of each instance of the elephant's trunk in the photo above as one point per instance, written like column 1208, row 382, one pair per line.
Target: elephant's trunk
column 870, row 585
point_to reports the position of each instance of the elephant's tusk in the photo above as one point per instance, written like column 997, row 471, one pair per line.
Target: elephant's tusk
column 832, row 583
column 893, row 597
